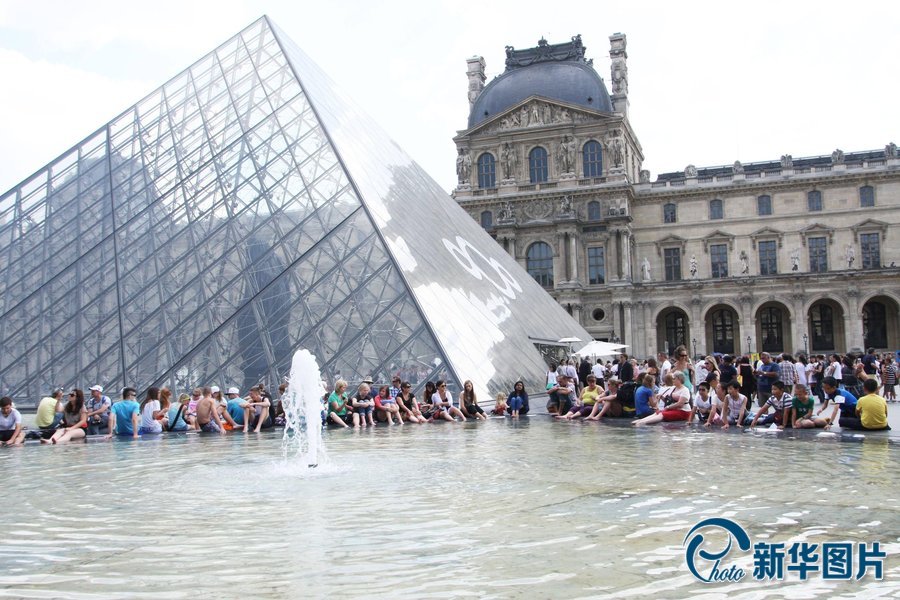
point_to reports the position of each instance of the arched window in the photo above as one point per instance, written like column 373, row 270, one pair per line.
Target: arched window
column 723, row 331
column 874, row 325
column 670, row 213
column 487, row 171
column 764, row 205
column 537, row 165
column 715, row 209
column 821, row 322
column 487, row 219
column 593, row 211
column 539, row 263
column 593, row 159
column 771, row 326
column 866, row 196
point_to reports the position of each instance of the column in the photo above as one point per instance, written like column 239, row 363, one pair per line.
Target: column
column 573, row 260
column 560, row 264
column 628, row 336
column 853, row 327
column 798, row 323
column 614, row 319
column 613, row 258
column 697, row 329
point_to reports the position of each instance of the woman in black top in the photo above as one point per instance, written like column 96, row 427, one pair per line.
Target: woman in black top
column 748, row 380
column 409, row 408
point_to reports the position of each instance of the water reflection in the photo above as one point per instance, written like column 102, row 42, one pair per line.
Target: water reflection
column 497, row 509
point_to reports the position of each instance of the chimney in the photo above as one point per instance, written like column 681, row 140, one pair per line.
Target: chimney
column 475, row 72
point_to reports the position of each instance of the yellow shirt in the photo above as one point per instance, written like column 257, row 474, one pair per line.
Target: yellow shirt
column 872, row 410
column 46, row 412
column 589, row 397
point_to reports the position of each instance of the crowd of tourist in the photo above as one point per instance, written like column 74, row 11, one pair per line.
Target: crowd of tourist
column 716, row 391
column 727, row 391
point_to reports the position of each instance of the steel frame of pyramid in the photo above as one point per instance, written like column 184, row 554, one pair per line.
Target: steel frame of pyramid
column 243, row 210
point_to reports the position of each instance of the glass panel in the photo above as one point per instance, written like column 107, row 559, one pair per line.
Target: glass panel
column 539, row 263
column 593, row 159
column 596, row 266
column 818, row 254
column 672, row 257
column 870, row 243
column 718, row 257
column 538, row 167
column 768, row 258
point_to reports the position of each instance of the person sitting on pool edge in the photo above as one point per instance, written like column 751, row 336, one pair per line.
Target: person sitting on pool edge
column 781, row 401
column 517, row 400
column 802, row 410
column 608, row 405
column 677, row 408
column 871, row 410
column 562, row 396
column 589, row 397
column 11, row 431
column 207, row 415
column 844, row 402
column 256, row 412
column 125, row 415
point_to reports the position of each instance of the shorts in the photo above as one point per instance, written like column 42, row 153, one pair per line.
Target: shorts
column 364, row 411
column 6, row 435
column 676, row 414
column 210, row 427
column 254, row 422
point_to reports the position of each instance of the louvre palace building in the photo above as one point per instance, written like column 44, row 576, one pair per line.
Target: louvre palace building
column 793, row 254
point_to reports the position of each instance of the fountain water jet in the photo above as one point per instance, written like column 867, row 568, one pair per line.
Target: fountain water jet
column 303, row 411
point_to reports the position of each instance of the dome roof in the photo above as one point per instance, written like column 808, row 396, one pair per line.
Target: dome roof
column 568, row 81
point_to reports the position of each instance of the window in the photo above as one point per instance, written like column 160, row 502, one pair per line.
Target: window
column 673, row 263
column 593, row 159
column 771, row 324
column 764, row 206
column 539, row 263
column 874, row 325
column 486, row 171
column 596, row 265
column 537, row 165
column 718, row 257
column 866, row 196
column 821, row 322
column 818, row 254
column 670, row 213
column 487, row 219
column 715, row 209
column 723, row 331
column 676, row 329
column 814, row 200
column 593, row 211
column 768, row 258
column 871, row 250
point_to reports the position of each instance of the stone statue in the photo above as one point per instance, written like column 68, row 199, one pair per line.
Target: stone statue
column 523, row 118
column 548, row 114
column 565, row 156
column 693, row 266
column 535, row 117
column 787, row 161
column 738, row 168
column 645, row 176
column 837, row 157
column 890, row 151
column 745, row 263
column 645, row 269
column 463, row 166
column 795, row 259
column 619, row 81
column 564, row 116
column 509, row 161
column 850, row 255
column 690, row 171
column 506, row 212
column 565, row 205
column 618, row 155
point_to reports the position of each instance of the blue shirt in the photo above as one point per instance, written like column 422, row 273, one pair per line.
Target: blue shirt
column 849, row 399
column 180, row 424
column 236, row 411
column 124, row 410
column 642, row 400
column 765, row 382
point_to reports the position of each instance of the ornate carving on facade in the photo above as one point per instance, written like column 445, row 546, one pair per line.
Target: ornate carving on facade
column 509, row 161
column 475, row 72
column 540, row 209
column 694, row 268
column 565, row 155
column 645, row 270
column 850, row 255
column 536, row 114
column 890, row 151
column 745, row 298
column 565, row 206
column 506, row 214
column 690, row 172
column 546, row 52
column 837, row 157
column 737, row 168
column 644, row 176
column 853, row 291
column 463, row 166
column 745, row 263
column 795, row 260
column 787, row 161
column 619, row 63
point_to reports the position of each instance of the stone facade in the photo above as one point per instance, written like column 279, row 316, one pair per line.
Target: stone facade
column 784, row 255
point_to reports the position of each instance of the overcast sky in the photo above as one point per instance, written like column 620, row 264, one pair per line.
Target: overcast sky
column 709, row 83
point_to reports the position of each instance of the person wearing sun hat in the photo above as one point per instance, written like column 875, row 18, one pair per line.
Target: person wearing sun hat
column 97, row 407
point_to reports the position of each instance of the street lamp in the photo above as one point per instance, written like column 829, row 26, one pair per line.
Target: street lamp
column 748, row 345
column 694, row 342
column 805, row 344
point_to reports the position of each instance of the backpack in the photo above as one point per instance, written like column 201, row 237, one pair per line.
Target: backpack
column 625, row 394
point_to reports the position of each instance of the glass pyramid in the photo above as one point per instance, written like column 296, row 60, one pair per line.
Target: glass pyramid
column 246, row 209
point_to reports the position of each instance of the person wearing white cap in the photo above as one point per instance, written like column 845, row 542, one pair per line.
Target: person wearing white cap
column 235, row 407
column 97, row 411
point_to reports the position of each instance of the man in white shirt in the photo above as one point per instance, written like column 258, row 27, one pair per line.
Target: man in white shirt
column 599, row 371
column 665, row 365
